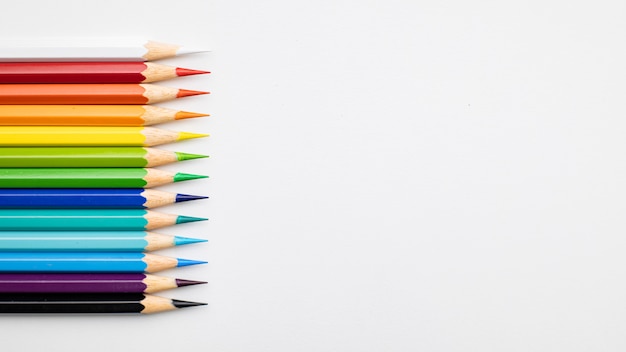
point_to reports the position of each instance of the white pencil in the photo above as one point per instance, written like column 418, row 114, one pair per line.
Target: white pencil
column 64, row 51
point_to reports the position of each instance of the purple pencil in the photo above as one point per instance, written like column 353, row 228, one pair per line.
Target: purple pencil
column 89, row 283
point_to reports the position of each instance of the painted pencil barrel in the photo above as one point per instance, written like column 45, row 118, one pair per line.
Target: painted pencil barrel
column 72, row 262
column 62, row 303
column 68, row 219
column 73, row 178
column 46, row 198
column 73, row 241
column 72, row 283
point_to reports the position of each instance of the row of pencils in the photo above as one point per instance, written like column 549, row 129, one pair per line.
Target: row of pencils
column 77, row 170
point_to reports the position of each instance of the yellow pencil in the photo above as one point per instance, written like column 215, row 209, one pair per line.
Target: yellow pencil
column 54, row 136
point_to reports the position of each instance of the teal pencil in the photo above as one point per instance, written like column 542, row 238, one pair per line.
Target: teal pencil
column 87, row 219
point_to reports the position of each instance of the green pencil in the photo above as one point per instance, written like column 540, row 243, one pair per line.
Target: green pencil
column 90, row 157
column 89, row 177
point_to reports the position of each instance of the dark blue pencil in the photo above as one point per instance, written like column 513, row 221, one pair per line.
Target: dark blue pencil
column 131, row 198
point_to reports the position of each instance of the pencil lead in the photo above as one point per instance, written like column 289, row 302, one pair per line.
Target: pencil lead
column 187, row 93
column 188, row 262
column 183, row 282
column 180, row 197
column 185, row 177
column 188, row 115
column 187, row 156
column 184, row 304
column 180, row 241
column 188, row 135
column 185, row 51
column 181, row 219
column 189, row 72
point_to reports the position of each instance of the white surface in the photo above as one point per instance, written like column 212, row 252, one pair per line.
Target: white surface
column 386, row 176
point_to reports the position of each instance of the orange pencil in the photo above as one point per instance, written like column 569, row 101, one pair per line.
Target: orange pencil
column 81, row 94
column 89, row 115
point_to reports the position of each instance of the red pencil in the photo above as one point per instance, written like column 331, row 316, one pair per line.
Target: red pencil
column 89, row 72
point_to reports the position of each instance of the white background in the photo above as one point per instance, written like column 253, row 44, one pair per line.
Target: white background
column 385, row 175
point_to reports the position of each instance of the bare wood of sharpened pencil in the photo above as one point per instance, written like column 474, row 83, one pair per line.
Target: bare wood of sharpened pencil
column 157, row 241
column 154, row 115
column 156, row 136
column 156, row 198
column 158, row 94
column 156, row 177
column 155, row 263
column 89, row 115
column 156, row 283
column 158, row 220
column 155, row 304
column 158, row 157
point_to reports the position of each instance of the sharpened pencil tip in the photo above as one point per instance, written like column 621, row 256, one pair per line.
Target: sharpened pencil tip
column 184, row 51
column 181, row 219
column 187, row 156
column 180, row 241
column 189, row 72
column 180, row 115
column 187, row 93
column 186, row 177
column 183, row 282
column 181, row 197
column 188, row 135
column 188, row 262
column 184, row 304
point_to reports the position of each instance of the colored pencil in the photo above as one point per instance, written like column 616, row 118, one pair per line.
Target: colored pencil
column 88, row 219
column 54, row 136
column 81, row 94
column 88, row 241
column 88, row 303
column 52, row 50
column 89, row 177
column 90, row 283
column 89, row 115
column 90, row 157
column 89, row 72
column 85, row 198
column 88, row 262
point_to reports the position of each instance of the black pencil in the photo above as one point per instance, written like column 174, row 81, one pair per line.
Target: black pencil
column 88, row 303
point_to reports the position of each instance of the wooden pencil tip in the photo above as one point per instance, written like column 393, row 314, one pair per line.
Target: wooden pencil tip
column 181, row 241
column 188, row 115
column 187, row 156
column 184, row 304
column 187, row 93
column 185, row 177
column 189, row 72
column 188, row 262
column 183, row 282
column 182, row 219
column 181, row 197
column 188, row 135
